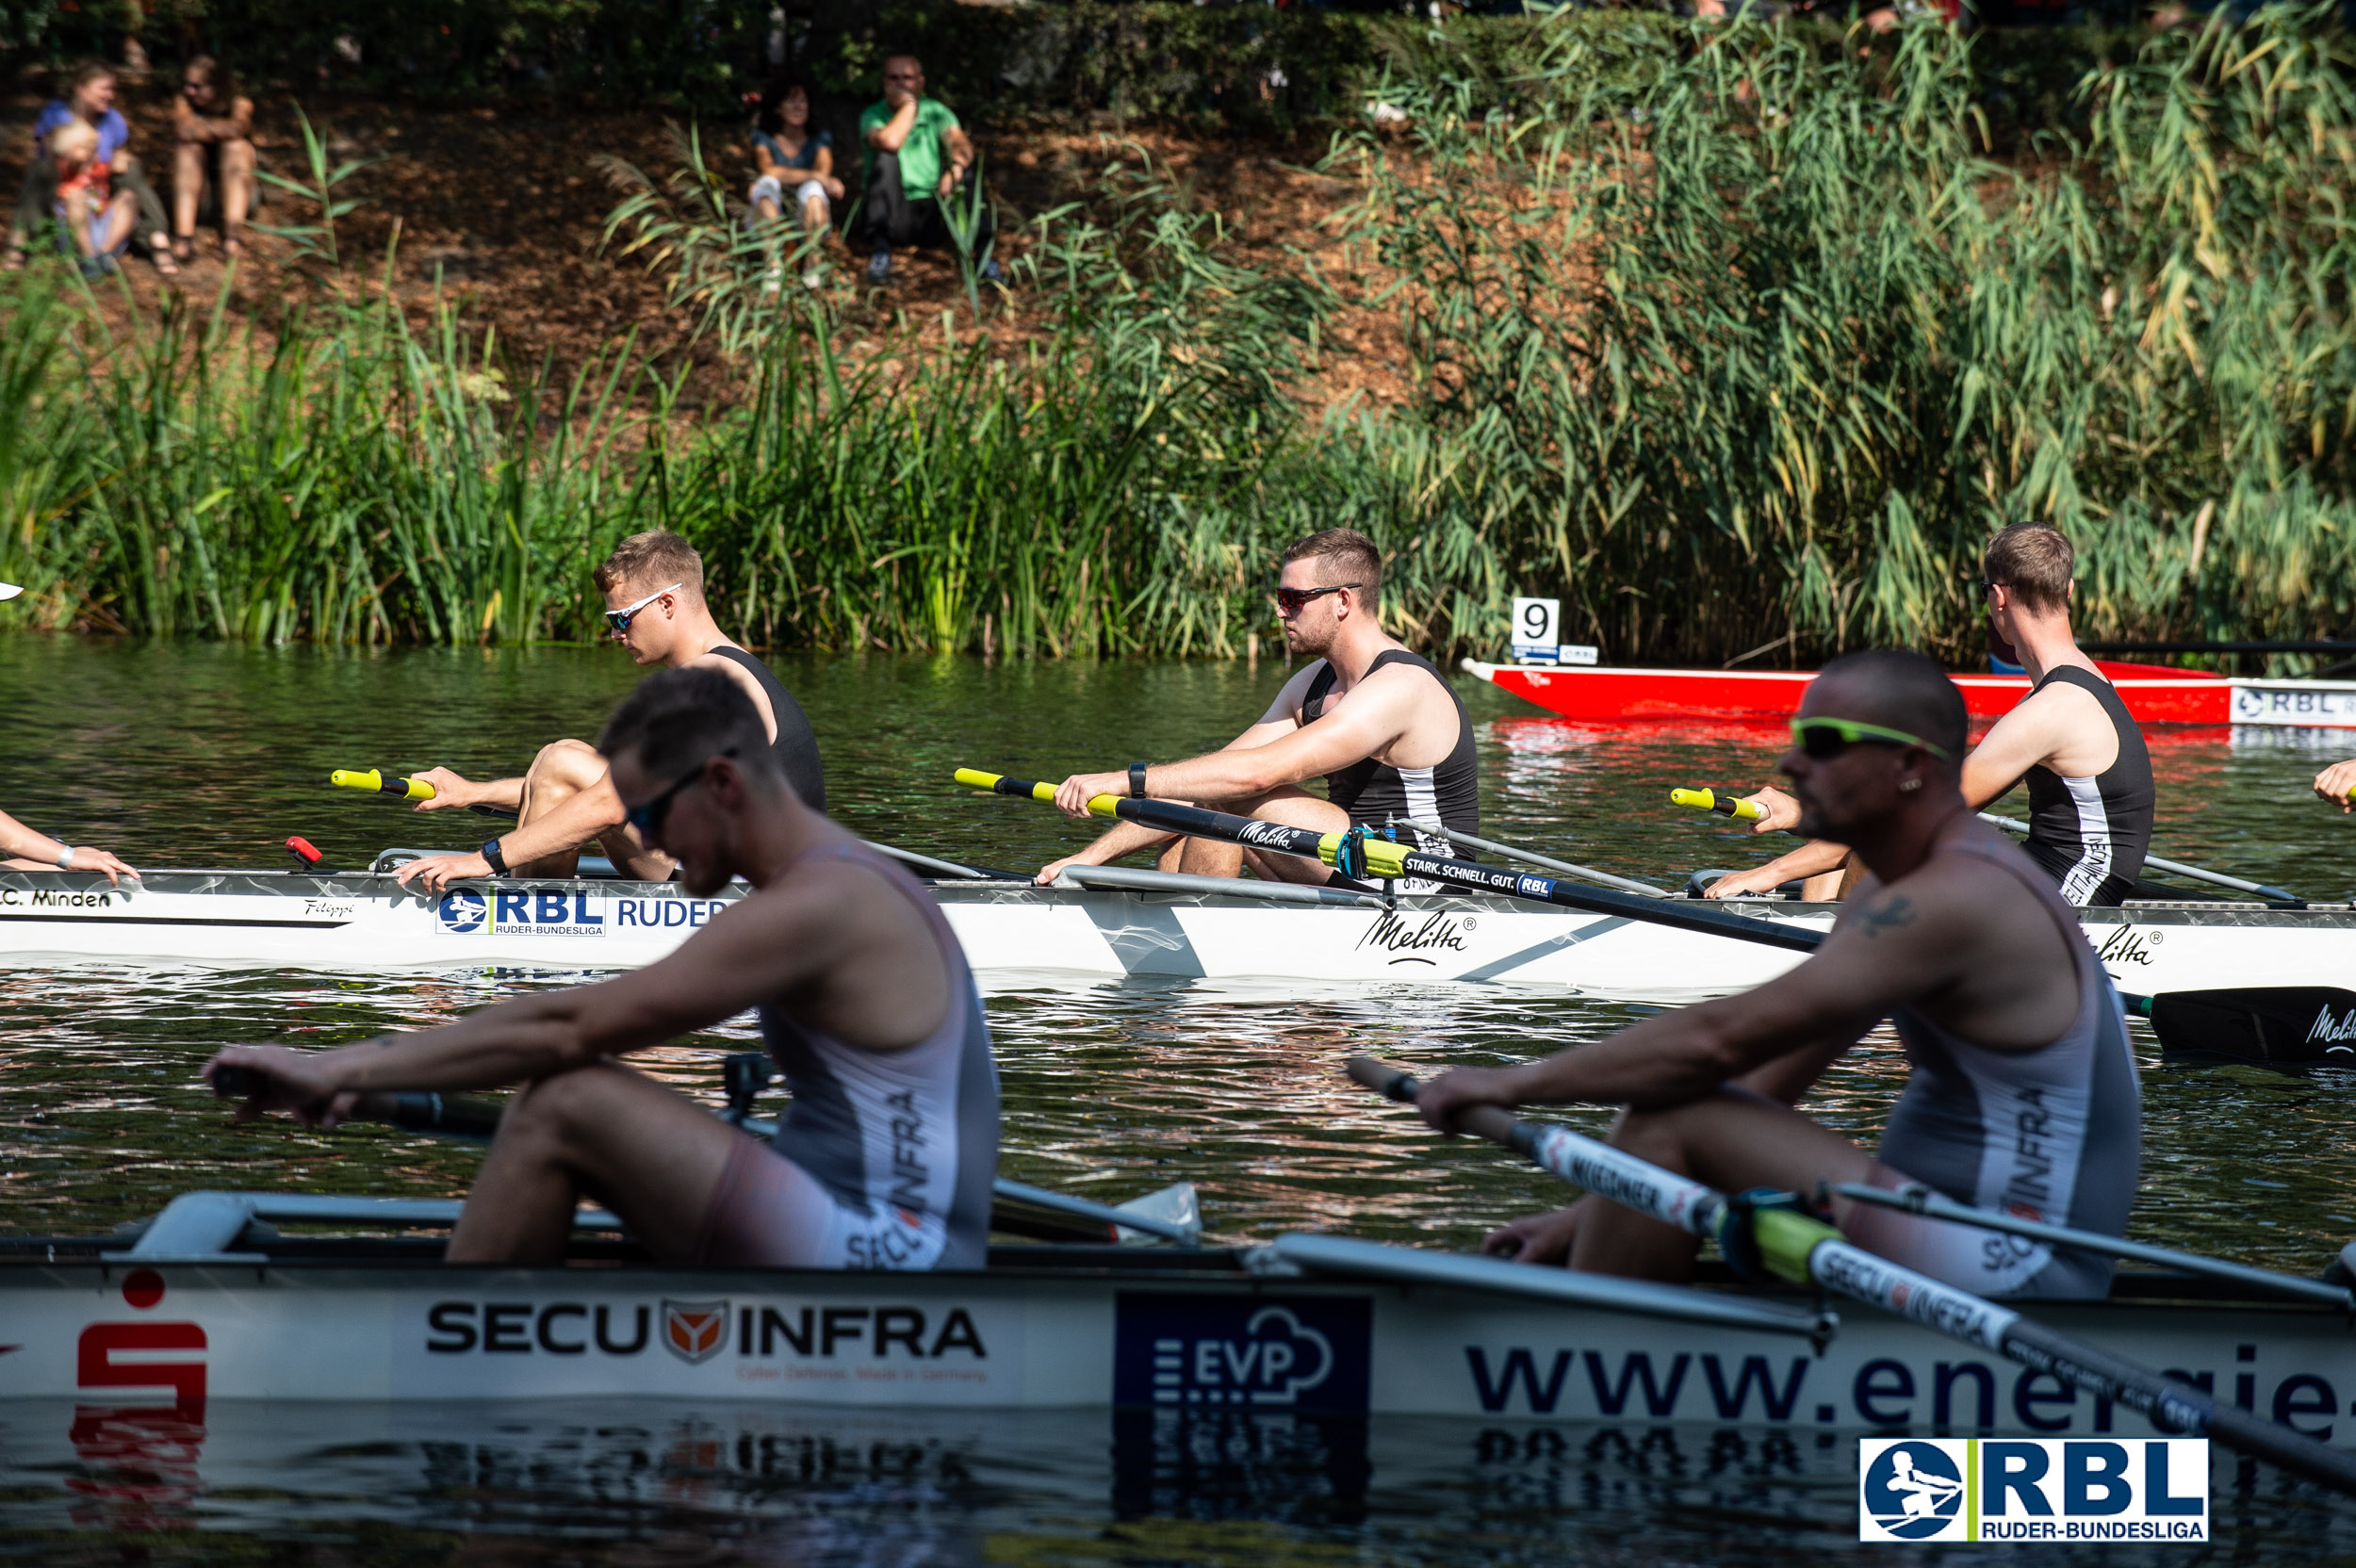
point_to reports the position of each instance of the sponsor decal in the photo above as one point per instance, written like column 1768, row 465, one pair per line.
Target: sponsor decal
column 325, row 909
column 1436, row 932
column 1302, row 1354
column 1273, row 835
column 522, row 911
column 49, row 898
column 2326, row 1031
column 2033, row 1489
column 2279, row 706
column 695, row 1331
column 667, row 913
column 2128, row 944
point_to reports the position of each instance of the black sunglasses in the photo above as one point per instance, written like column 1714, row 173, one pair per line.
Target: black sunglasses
column 1291, row 599
column 649, row 819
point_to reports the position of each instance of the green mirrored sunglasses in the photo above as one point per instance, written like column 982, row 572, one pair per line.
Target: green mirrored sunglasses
column 1825, row 739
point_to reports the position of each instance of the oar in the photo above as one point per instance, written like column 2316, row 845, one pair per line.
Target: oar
column 376, row 782
column 2283, row 1025
column 1744, row 810
column 1805, row 1251
column 1016, row 1208
column 1383, row 858
column 1531, row 858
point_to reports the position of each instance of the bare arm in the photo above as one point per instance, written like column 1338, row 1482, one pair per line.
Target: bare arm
column 888, row 136
column 961, row 150
column 1127, row 838
column 2337, row 784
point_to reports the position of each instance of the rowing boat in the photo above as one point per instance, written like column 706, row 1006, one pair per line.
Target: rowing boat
column 1109, row 922
column 2155, row 694
column 1311, row 1324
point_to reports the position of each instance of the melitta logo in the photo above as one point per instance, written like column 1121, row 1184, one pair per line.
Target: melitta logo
column 2326, row 1031
column 2128, row 944
column 695, row 1331
column 1297, row 1354
column 1392, row 934
column 2033, row 1489
column 1275, row 835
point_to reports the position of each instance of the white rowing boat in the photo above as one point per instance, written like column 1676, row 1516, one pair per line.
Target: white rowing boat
column 1310, row 1325
column 1111, row 922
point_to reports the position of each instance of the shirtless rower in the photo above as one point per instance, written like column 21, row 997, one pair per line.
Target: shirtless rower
column 22, row 848
column 1379, row 724
column 887, row 1156
column 2089, row 775
column 2023, row 1093
column 653, row 585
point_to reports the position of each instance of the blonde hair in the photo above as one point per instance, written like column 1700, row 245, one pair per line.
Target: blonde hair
column 653, row 559
column 73, row 140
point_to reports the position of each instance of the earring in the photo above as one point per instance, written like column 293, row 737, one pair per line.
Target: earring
column 1908, row 786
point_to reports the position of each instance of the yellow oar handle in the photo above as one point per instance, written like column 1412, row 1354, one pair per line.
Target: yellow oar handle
column 1022, row 789
column 1706, row 800
column 1383, row 858
column 352, row 778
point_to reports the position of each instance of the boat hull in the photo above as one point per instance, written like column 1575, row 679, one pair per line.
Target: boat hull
column 1606, row 694
column 171, row 1337
column 1015, row 933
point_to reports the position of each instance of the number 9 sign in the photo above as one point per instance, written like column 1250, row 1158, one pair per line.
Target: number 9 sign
column 1535, row 624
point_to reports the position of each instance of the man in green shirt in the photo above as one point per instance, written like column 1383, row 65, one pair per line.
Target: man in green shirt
column 918, row 156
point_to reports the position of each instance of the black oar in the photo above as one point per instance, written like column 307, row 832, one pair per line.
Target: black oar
column 1793, row 1246
column 2279, row 1025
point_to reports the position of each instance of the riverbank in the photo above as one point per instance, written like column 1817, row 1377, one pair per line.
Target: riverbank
column 1724, row 339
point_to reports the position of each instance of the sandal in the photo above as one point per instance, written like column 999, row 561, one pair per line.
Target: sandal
column 184, row 249
column 161, row 257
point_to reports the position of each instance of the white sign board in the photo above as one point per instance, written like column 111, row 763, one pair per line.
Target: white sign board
column 1536, row 625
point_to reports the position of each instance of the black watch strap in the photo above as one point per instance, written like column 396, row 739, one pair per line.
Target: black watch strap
column 1137, row 781
column 491, row 853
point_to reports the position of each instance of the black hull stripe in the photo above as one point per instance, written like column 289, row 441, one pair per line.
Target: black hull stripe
column 191, row 920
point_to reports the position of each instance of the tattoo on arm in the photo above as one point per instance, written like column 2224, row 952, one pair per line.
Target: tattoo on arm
column 1894, row 915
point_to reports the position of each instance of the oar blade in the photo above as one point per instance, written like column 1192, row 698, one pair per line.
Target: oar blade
column 2274, row 1025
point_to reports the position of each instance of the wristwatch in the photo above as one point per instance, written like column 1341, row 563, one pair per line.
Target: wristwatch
column 1137, row 781
column 491, row 853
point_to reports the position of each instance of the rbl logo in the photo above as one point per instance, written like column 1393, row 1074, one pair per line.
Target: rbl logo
column 2033, row 1489
column 469, row 912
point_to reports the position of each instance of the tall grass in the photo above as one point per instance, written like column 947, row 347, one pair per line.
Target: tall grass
column 1729, row 338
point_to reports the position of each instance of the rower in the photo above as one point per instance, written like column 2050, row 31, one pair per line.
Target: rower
column 1379, row 724
column 24, row 849
column 653, row 585
column 2089, row 775
column 2023, row 1095
column 885, row 1159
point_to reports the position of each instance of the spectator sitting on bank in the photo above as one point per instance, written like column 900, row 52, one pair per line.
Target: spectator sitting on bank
column 790, row 155
column 215, row 158
column 918, row 158
column 96, row 220
column 89, row 98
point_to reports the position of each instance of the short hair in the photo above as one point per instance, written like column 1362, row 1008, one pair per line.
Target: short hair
column 1343, row 555
column 2035, row 561
column 642, row 558
column 676, row 719
column 1905, row 690
column 76, row 139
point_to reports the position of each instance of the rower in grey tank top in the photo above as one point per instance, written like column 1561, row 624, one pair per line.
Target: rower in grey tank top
column 2050, row 1135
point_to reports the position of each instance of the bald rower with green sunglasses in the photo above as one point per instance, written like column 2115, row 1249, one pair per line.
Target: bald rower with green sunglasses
column 2021, row 1094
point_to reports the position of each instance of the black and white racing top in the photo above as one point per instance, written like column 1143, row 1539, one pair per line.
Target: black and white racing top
column 1375, row 793
column 2091, row 834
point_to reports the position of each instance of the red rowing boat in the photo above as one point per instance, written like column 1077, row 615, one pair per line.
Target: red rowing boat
column 2154, row 693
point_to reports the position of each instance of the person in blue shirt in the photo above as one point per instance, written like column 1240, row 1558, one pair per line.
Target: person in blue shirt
column 89, row 97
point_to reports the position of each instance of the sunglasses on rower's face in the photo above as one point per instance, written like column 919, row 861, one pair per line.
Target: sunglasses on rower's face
column 1825, row 739
column 1292, row 601
column 649, row 819
column 619, row 619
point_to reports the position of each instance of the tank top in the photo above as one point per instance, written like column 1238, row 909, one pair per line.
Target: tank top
column 2052, row 1134
column 1375, row 793
column 2090, row 835
column 905, row 1138
column 796, row 745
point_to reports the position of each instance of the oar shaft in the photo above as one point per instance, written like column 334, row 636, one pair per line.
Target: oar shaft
column 2174, row 867
column 1387, row 860
column 1531, row 858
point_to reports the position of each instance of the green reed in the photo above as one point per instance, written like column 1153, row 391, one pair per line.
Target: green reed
column 1731, row 336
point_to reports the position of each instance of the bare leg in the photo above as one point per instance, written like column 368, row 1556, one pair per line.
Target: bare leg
column 563, row 770
column 652, row 1156
column 816, row 218
column 123, row 214
column 1732, row 1140
column 236, row 192
column 1292, row 807
column 187, row 183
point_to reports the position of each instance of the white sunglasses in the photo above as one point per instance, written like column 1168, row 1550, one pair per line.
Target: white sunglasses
column 619, row 619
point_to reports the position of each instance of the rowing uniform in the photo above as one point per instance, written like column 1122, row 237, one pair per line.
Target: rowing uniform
column 2090, row 835
column 796, row 745
column 1375, row 793
column 2052, row 1134
column 885, row 1159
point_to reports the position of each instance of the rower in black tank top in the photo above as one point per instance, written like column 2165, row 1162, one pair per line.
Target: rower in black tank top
column 1374, row 793
column 796, row 745
column 2090, row 835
